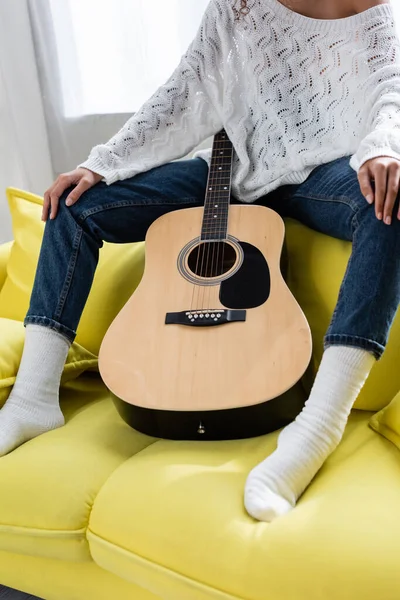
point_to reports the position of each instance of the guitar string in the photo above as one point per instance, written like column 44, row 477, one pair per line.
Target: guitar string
column 217, row 227
column 206, row 287
column 218, row 242
column 196, row 288
column 210, row 229
column 222, row 209
column 206, row 243
column 226, row 212
column 219, row 224
column 215, row 209
column 211, row 243
column 202, row 251
column 210, row 183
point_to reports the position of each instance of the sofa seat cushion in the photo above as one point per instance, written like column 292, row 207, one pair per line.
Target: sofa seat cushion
column 387, row 421
column 62, row 580
column 49, row 484
column 171, row 519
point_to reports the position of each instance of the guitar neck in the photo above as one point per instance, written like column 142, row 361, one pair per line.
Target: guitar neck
column 216, row 205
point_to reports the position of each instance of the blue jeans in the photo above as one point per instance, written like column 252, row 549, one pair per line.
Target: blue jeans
column 329, row 201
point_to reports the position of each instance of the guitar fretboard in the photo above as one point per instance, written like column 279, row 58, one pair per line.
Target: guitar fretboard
column 216, row 205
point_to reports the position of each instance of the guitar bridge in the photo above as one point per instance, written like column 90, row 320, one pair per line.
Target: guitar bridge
column 205, row 318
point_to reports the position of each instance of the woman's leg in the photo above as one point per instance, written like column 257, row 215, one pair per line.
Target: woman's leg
column 119, row 213
column 330, row 201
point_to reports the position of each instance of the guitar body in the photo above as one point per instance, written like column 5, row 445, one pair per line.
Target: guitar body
column 179, row 364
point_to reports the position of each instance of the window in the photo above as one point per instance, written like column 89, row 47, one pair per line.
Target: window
column 113, row 55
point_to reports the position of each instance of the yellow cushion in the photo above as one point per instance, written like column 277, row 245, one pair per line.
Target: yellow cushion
column 171, row 519
column 49, row 484
column 5, row 251
column 387, row 421
column 65, row 580
column 317, row 267
column 12, row 336
column 118, row 273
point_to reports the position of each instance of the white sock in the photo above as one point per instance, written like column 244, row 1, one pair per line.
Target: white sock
column 33, row 405
column 273, row 487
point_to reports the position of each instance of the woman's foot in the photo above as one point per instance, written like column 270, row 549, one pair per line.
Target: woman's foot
column 22, row 420
column 274, row 486
column 33, row 406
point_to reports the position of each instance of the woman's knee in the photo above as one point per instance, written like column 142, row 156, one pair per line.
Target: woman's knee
column 88, row 200
column 380, row 234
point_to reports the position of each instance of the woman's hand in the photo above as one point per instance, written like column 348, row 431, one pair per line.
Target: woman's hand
column 82, row 178
column 385, row 171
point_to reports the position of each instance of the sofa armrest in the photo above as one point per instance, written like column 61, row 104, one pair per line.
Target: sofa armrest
column 5, row 251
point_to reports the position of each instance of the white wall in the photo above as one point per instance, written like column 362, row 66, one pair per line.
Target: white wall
column 24, row 153
column 9, row 168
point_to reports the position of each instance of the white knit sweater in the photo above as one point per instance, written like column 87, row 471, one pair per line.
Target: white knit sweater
column 292, row 93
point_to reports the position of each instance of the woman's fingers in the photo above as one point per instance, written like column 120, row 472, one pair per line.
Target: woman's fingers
column 385, row 172
column 77, row 192
column 46, row 204
column 380, row 175
column 391, row 192
column 82, row 178
column 365, row 184
column 387, row 178
column 52, row 196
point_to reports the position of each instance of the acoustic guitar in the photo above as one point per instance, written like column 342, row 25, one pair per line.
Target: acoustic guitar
column 212, row 344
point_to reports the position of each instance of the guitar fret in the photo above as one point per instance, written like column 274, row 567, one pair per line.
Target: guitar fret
column 216, row 222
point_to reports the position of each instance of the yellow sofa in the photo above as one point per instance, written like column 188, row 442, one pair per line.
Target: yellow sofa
column 96, row 510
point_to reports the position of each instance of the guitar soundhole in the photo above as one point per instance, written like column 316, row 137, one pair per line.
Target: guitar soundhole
column 212, row 259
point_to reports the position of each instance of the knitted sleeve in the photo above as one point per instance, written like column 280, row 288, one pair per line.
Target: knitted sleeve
column 381, row 113
column 181, row 114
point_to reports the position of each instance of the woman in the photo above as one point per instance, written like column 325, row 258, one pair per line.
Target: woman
column 309, row 94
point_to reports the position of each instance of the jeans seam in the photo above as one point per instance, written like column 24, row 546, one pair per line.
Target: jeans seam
column 51, row 324
column 353, row 243
column 70, row 272
column 355, row 223
column 365, row 343
column 352, row 336
column 342, row 199
column 135, row 204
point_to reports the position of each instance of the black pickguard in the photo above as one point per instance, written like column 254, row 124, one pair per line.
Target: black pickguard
column 251, row 285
